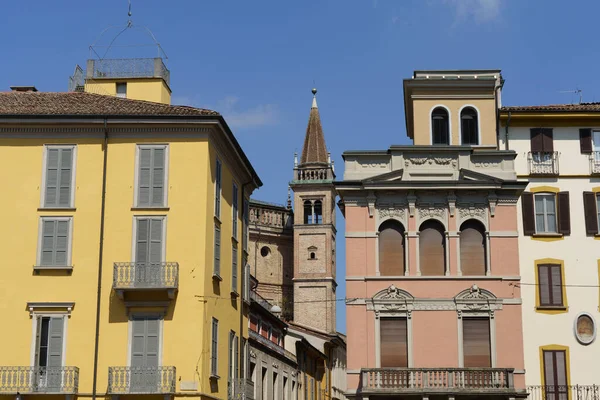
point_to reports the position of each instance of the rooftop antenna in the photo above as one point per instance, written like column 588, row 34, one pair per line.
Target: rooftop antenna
column 576, row 91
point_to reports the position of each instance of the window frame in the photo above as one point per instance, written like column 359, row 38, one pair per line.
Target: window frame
column 145, row 315
column 218, row 187
column 234, row 210
column 545, row 213
column 491, row 344
column 136, row 179
column 69, row 263
column 555, row 395
column 73, row 148
column 214, row 349
column 464, row 314
column 134, row 235
column 431, row 141
column 385, row 313
column 216, row 273
column 389, row 317
column 549, row 266
column 478, row 125
column 120, row 95
column 234, row 269
column 386, row 223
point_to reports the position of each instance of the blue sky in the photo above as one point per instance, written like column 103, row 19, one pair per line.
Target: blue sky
column 255, row 62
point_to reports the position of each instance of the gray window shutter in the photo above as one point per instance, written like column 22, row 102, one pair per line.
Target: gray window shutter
column 230, row 360
column 214, row 347
column 38, row 331
column 145, row 342
column 544, row 285
column 218, row 189
column 236, row 357
column 158, row 176
column 142, row 245
column 234, row 268
column 156, row 241
column 61, row 242
column 217, row 260
column 48, row 242
column 59, row 166
column 556, row 277
column 152, row 342
column 55, row 242
column 138, row 342
column 66, row 165
column 55, row 341
column 144, row 177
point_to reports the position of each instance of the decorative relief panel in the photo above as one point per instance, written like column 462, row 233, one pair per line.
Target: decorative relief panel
column 434, row 211
column 487, row 164
column 373, row 164
column 396, row 211
column 477, row 211
column 432, row 161
column 476, row 299
column 585, row 328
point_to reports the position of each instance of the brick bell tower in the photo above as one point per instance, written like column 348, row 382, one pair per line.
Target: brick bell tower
column 314, row 230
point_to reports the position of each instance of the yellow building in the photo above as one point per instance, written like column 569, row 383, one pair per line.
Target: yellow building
column 124, row 248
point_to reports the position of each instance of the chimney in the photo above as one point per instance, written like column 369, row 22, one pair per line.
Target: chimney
column 23, row 88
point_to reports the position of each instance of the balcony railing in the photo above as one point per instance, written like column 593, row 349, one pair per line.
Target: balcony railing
column 441, row 380
column 313, row 174
column 61, row 380
column 145, row 276
column 595, row 163
column 543, row 163
column 141, row 380
column 127, row 68
column 561, row 392
column 241, row 389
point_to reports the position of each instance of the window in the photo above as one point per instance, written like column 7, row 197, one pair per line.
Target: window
column 246, row 296
column 476, row 342
column 122, row 89
column 234, row 208
column 149, row 244
column 308, row 213
column 264, row 387
column 432, row 249
column 394, row 342
column 285, row 388
column 469, row 126
column 591, row 206
column 234, row 268
column 472, row 248
column 217, row 250
column 54, row 242
column 542, row 142
column 232, row 365
column 265, row 251
column 275, row 384
column 151, row 176
column 555, row 374
column 49, row 342
column 245, row 216
column 218, row 189
column 391, row 249
column 546, row 213
column 59, row 176
column 318, row 210
column 550, row 285
column 440, row 126
column 214, row 349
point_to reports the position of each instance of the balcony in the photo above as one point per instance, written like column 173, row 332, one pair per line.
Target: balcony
column 128, row 276
column 595, row 163
column 39, row 380
column 141, row 380
column 118, row 68
column 241, row 389
column 543, row 163
column 574, row 392
column 313, row 174
column 437, row 380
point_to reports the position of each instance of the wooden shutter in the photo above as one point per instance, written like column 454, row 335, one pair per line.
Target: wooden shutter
column 155, row 241
column 585, row 140
column 65, row 173
column 544, row 290
column 217, row 255
column 590, row 213
column 230, row 358
column 234, row 268
column 214, row 348
column 55, row 341
column 556, row 285
column 59, row 165
column 476, row 342
column 218, row 189
column 38, row 340
column 142, row 241
column 158, row 176
column 61, row 242
column 145, row 342
column 537, row 141
column 394, row 342
column 138, row 342
column 432, row 252
column 391, row 250
column 547, row 140
column 48, row 241
column 555, row 373
column 144, row 177
column 528, row 213
column 564, row 213
column 472, row 251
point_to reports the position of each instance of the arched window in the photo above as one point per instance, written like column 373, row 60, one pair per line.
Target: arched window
column 308, row 213
column 440, row 126
column 472, row 248
column 469, row 127
column 391, row 249
column 318, row 207
column 432, row 249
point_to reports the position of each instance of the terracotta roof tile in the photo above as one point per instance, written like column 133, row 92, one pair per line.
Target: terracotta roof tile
column 80, row 103
column 583, row 107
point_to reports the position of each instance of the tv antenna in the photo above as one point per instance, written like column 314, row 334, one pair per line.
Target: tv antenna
column 577, row 91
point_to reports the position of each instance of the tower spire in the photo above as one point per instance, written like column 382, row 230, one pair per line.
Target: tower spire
column 314, row 150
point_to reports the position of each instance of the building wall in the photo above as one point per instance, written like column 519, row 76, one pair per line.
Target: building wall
column 147, row 89
column 186, row 327
column 579, row 252
column 272, row 386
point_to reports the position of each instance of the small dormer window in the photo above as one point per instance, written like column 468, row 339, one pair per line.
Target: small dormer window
column 469, row 126
column 440, row 126
column 122, row 90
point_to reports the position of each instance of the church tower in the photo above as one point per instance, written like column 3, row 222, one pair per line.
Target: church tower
column 314, row 230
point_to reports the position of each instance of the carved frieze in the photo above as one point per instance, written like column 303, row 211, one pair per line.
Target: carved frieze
column 478, row 211
column 487, row 164
column 392, row 211
column 432, row 212
column 429, row 160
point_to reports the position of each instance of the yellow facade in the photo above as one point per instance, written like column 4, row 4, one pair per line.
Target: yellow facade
column 189, row 220
column 149, row 89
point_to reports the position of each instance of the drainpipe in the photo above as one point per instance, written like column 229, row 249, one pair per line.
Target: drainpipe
column 506, row 132
column 100, row 259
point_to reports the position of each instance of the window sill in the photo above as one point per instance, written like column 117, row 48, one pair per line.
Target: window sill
column 138, row 208
column 217, row 220
column 234, row 294
column 217, row 277
column 56, row 209
column 214, row 377
column 551, row 308
column 38, row 268
column 234, row 240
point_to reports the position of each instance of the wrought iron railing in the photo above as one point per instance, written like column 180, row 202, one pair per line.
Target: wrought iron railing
column 241, row 389
column 128, row 68
column 562, row 392
column 141, row 380
column 63, row 380
column 130, row 275
column 437, row 379
column 595, row 162
column 543, row 163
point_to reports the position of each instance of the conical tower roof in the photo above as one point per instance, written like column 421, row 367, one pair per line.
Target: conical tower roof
column 314, row 150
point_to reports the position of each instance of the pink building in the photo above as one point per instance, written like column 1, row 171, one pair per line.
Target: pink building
column 432, row 259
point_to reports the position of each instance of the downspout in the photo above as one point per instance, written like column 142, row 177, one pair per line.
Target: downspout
column 506, row 132
column 100, row 260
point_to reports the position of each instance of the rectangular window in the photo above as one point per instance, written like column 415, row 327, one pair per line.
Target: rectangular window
column 218, row 189
column 244, row 365
column 54, row 243
column 476, row 342
column 122, row 89
column 151, row 176
column 245, row 227
column 145, row 342
column 246, row 295
column 555, row 374
column 550, row 285
column 264, row 387
column 149, row 242
column 49, row 342
column 59, row 177
column 217, row 255
column 234, row 211
column 275, row 383
column 214, row 348
column 231, row 364
column 234, row 268
column 394, row 342
column 545, row 213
